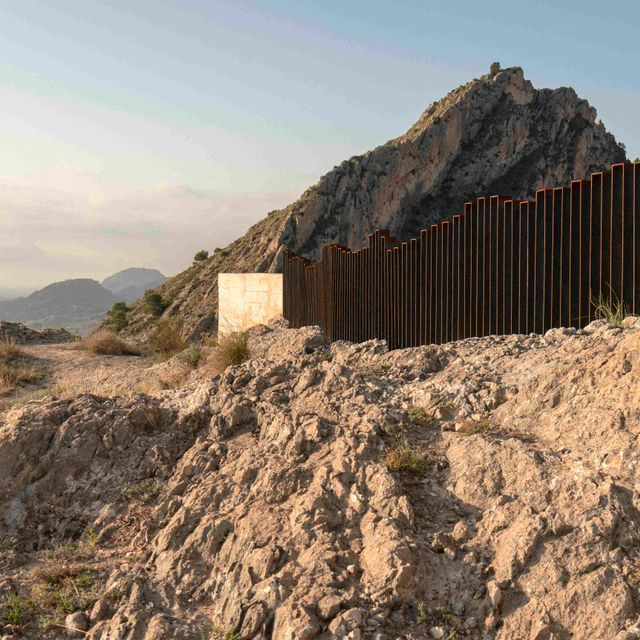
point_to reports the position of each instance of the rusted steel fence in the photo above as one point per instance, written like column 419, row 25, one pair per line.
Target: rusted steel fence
column 504, row 266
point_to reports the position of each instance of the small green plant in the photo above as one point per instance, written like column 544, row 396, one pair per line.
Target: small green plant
column 91, row 538
column 153, row 303
column 405, row 458
column 230, row 349
column 419, row 416
column 117, row 316
column 166, row 339
column 613, row 310
column 423, row 613
column 494, row 68
column 200, row 256
column 220, row 634
column 192, row 356
column 474, row 427
column 16, row 605
column 146, row 491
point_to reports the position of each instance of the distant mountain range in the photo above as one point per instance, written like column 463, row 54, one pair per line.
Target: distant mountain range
column 80, row 304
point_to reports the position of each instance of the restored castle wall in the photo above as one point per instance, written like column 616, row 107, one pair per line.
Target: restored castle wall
column 247, row 299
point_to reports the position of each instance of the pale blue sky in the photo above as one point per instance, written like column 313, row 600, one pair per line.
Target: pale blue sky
column 135, row 133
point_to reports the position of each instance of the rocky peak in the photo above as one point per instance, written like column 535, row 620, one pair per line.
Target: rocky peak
column 494, row 135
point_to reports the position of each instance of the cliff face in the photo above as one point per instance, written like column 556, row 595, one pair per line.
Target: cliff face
column 494, row 135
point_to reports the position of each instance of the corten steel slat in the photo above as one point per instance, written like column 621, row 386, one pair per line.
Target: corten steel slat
column 627, row 233
column 525, row 291
column 468, row 224
column 371, row 286
column 564, row 292
column 497, row 290
column 436, row 290
column 352, row 305
column 636, row 238
column 401, row 297
column 606, row 282
column 413, row 291
column 595, row 260
column 456, row 283
column 348, row 297
column 553, row 248
column 533, row 280
column 338, row 295
column 395, row 265
column 507, row 267
column 490, row 265
column 407, row 293
column 364, row 311
column 423, row 292
column 443, row 267
column 574, row 275
column 542, row 271
column 616, row 239
column 584, row 204
column 392, row 302
column 387, row 296
column 358, row 296
column 479, row 266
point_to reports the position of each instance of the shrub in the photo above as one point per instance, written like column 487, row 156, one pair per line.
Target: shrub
column 117, row 316
column 13, row 375
column 166, row 338
column 200, row 256
column 418, row 415
column 230, row 348
column 16, row 606
column 107, row 343
column 153, row 303
column 494, row 68
column 405, row 458
column 475, row 427
column 192, row 356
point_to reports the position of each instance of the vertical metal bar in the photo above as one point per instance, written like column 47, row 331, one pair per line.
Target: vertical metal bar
column 636, row 238
column 627, row 233
column 595, row 277
column 507, row 268
column 606, row 282
column 435, row 289
column 563, row 292
column 414, row 292
column 456, row 281
column 480, row 266
column 616, row 239
column 490, row 265
column 468, row 277
column 445, row 235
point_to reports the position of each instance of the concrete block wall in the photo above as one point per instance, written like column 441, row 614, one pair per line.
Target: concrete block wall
column 247, row 299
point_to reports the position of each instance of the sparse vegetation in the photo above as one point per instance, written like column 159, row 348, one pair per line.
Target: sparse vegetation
column 145, row 491
column 166, row 339
column 16, row 605
column 106, row 343
column 200, row 256
column 153, row 303
column 475, row 427
column 9, row 350
column 220, row 634
column 405, row 458
column 16, row 368
column 117, row 316
column 612, row 309
column 494, row 68
column 229, row 349
column 192, row 356
column 419, row 416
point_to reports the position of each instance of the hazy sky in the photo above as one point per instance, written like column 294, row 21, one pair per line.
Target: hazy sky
column 134, row 133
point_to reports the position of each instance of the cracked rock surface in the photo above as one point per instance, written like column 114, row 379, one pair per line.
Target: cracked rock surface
column 268, row 502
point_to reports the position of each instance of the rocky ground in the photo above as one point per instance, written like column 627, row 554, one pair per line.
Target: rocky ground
column 485, row 488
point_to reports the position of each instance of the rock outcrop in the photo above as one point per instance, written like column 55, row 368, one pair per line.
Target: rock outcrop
column 485, row 488
column 20, row 334
column 494, row 135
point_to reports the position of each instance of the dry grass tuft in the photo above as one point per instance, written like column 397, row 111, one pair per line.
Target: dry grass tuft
column 107, row 343
column 16, row 368
column 229, row 349
column 9, row 350
column 166, row 339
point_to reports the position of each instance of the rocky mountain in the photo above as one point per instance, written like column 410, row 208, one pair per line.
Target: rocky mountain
column 74, row 304
column 484, row 489
column 130, row 284
column 494, row 135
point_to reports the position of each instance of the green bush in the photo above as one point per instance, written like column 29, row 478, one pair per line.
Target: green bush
column 494, row 68
column 229, row 349
column 117, row 316
column 153, row 303
column 201, row 255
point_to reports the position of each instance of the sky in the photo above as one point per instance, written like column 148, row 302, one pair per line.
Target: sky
column 137, row 132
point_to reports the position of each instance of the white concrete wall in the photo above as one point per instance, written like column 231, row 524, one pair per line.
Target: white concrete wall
column 246, row 299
